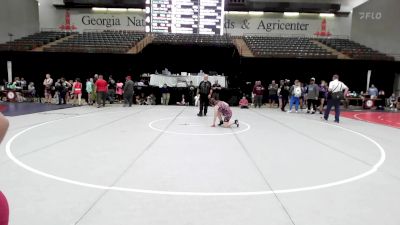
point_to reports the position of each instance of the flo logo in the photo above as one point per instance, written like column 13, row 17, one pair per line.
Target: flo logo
column 67, row 25
column 323, row 32
column 370, row 15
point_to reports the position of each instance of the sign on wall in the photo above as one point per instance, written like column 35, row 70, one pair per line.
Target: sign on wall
column 278, row 24
column 274, row 23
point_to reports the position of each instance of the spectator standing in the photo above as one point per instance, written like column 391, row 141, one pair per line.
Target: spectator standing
column 281, row 83
column 312, row 96
column 128, row 91
column 47, row 83
column 111, row 89
column 120, row 90
column 216, row 89
column 335, row 87
column 302, row 96
column 101, row 91
column 94, row 93
column 295, row 93
column 273, row 93
column 205, row 92
column 393, row 102
column 323, row 94
column 258, row 91
column 61, row 88
column 192, row 93
column 77, row 90
column 285, row 92
column 69, row 94
column 89, row 90
column 165, row 95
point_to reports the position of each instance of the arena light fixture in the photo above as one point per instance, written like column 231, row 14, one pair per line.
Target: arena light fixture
column 117, row 9
column 327, row 15
column 236, row 12
column 291, row 13
column 135, row 10
column 256, row 13
column 99, row 9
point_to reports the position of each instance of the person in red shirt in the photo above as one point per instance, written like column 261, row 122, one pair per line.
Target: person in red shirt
column 4, row 210
column 244, row 103
column 101, row 90
column 258, row 91
column 77, row 90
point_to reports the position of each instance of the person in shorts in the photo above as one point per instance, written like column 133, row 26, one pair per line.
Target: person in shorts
column 323, row 94
column 223, row 112
column 273, row 93
column 47, row 83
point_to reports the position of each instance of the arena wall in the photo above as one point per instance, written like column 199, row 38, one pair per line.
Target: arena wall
column 18, row 18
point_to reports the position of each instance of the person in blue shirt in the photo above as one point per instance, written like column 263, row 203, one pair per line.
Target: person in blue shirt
column 373, row 91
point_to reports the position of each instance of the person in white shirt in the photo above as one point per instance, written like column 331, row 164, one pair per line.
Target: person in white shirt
column 47, row 83
column 335, row 87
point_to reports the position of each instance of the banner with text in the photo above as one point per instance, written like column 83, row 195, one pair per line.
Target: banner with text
column 266, row 24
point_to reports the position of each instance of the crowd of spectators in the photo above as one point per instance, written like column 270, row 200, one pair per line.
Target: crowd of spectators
column 98, row 90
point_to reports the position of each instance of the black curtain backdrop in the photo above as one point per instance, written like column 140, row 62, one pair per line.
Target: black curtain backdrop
column 224, row 60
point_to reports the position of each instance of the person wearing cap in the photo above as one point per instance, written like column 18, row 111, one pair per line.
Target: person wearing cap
column 312, row 91
column 128, row 91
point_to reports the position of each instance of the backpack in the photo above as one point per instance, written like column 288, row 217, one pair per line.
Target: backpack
column 297, row 91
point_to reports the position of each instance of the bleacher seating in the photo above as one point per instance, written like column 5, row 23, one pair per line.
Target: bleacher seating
column 354, row 50
column 286, row 47
column 121, row 41
column 33, row 41
column 193, row 39
column 99, row 42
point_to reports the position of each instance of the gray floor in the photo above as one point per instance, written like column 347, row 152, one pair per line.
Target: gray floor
column 164, row 165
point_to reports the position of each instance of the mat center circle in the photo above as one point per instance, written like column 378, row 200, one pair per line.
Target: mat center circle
column 195, row 126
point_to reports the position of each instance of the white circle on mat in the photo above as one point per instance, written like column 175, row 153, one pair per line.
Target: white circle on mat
column 372, row 170
column 231, row 131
